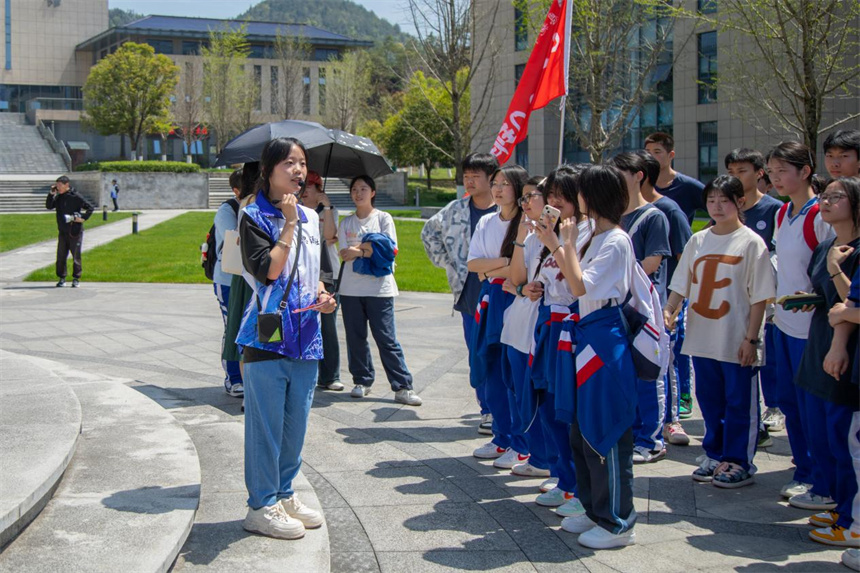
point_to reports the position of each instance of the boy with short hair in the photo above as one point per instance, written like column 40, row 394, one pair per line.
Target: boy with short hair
column 759, row 211
column 684, row 190
column 842, row 153
column 649, row 231
column 446, row 238
column 679, row 402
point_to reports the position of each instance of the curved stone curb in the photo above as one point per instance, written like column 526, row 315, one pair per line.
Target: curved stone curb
column 40, row 423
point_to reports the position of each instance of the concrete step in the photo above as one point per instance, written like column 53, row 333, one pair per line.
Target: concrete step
column 8, row 119
column 23, row 195
column 129, row 497
column 23, row 150
column 39, row 430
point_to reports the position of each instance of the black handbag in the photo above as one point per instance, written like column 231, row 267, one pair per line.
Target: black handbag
column 270, row 327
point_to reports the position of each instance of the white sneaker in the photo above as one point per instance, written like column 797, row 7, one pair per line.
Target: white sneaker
column 273, row 521
column 571, row 508
column 794, row 488
column 360, row 391
column 642, row 455
column 236, row 390
column 555, row 497
column 548, row 485
column 577, row 524
column 407, row 397
column 773, row 419
column 812, row 501
column 486, row 425
column 489, row 451
column 509, row 459
column 851, row 559
column 310, row 518
column 527, row 470
column 599, row 538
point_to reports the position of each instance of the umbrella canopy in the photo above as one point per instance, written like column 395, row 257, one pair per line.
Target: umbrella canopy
column 331, row 152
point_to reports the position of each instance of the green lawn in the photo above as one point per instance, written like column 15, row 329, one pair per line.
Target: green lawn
column 170, row 253
column 21, row 230
column 699, row 224
column 408, row 213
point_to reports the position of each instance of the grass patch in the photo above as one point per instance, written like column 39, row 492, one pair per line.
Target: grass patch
column 699, row 224
column 21, row 230
column 433, row 197
column 410, row 213
column 170, row 253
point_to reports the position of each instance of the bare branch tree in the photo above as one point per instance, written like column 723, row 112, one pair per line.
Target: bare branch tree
column 290, row 53
column 348, row 89
column 187, row 107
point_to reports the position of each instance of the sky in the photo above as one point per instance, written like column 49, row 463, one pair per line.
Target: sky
column 392, row 10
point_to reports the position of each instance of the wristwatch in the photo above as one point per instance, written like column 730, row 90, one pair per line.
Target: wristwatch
column 754, row 341
column 520, row 289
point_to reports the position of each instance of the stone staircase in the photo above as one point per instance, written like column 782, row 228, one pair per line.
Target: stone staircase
column 19, row 194
column 336, row 189
column 23, row 150
column 96, row 476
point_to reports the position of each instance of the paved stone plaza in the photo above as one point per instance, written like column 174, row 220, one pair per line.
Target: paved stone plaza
column 399, row 487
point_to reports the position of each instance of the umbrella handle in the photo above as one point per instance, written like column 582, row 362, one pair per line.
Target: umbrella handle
column 325, row 171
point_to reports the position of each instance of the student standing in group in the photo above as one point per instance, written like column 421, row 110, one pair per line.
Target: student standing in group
column 842, row 153
column 313, row 197
column 830, row 400
column 368, row 299
column 446, row 237
column 726, row 274
column 604, row 400
column 280, row 254
column 490, row 252
column 557, row 304
column 649, row 230
column 799, row 229
column 684, row 190
column 759, row 210
column 679, row 401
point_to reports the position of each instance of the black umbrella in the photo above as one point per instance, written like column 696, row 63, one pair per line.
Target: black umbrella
column 332, row 152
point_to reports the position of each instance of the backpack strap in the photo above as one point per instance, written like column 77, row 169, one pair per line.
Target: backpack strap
column 809, row 227
column 640, row 219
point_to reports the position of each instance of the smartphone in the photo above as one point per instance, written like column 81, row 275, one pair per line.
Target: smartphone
column 792, row 301
column 552, row 213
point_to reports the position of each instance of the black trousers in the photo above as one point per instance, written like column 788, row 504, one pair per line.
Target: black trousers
column 66, row 244
column 605, row 485
column 329, row 368
column 115, row 206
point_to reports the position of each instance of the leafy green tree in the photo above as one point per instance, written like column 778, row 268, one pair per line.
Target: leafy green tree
column 120, row 17
column 128, row 92
column 227, row 101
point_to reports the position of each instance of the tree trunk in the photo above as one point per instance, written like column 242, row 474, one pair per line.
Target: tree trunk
column 429, row 171
column 188, row 159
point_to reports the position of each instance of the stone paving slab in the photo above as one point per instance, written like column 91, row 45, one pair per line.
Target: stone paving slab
column 399, row 486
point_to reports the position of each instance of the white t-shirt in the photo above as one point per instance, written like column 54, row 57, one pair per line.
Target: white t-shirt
column 488, row 237
column 349, row 234
column 330, row 248
column 607, row 271
column 556, row 290
column 521, row 317
column 793, row 256
column 722, row 276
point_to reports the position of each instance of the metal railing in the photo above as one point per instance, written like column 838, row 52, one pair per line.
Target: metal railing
column 56, row 103
column 57, row 146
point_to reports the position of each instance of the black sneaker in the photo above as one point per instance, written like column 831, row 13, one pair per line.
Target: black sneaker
column 76, row 283
column 764, row 439
column 61, row 283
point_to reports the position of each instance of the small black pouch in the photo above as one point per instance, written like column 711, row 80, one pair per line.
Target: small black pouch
column 270, row 328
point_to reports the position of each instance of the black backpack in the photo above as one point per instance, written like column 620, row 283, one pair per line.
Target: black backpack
column 208, row 256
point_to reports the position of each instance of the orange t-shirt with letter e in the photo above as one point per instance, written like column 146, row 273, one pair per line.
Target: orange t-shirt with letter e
column 723, row 276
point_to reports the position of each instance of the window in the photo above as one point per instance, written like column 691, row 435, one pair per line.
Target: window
column 326, row 54
column 161, row 46
column 8, row 34
column 275, row 95
column 322, row 90
column 258, row 85
column 260, row 52
column 707, row 6
column 306, row 91
column 190, row 48
column 521, row 30
column 522, row 153
column 518, row 74
column 708, row 159
column 707, row 67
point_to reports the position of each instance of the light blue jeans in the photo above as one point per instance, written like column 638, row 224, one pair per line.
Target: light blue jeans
column 278, row 396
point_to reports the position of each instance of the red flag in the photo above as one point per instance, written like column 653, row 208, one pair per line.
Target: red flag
column 543, row 80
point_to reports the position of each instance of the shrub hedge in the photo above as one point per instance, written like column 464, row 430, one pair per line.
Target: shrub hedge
column 140, row 166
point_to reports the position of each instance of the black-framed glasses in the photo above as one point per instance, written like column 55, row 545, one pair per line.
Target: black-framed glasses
column 526, row 198
column 831, row 198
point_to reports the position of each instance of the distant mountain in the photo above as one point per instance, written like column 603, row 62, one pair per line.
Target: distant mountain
column 338, row 16
column 120, row 17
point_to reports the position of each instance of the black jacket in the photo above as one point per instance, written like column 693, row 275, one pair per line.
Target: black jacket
column 69, row 203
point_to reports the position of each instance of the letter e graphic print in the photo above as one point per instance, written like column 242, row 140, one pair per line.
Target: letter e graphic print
column 709, row 284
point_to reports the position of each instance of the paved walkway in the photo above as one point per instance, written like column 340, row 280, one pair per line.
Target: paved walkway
column 400, row 489
column 17, row 264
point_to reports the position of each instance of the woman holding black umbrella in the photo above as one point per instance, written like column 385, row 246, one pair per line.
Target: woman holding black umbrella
column 281, row 341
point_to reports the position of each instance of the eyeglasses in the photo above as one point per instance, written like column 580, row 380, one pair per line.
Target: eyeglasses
column 502, row 184
column 831, row 198
column 526, row 198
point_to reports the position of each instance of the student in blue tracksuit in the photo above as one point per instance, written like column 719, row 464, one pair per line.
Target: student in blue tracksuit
column 605, row 398
column 726, row 274
column 490, row 252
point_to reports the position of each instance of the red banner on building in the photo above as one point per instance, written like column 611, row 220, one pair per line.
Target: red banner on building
column 543, row 80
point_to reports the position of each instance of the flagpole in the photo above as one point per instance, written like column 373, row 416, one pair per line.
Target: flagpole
column 568, row 20
column 561, row 130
